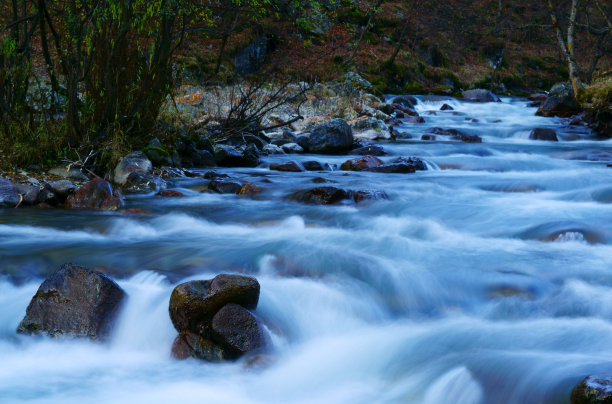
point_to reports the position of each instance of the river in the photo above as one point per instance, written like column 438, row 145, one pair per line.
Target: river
column 485, row 279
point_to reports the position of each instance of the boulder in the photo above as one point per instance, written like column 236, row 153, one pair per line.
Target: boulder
column 446, row 107
column 543, row 134
column 361, row 163
column 158, row 155
column 401, row 165
column 237, row 329
column 191, row 345
column 61, row 188
column 138, row 182
column 405, row 101
column 428, row 137
column 273, row 149
column 315, row 166
column 331, row 137
column 560, row 102
column 196, row 302
column 224, row 186
column 74, row 301
column 72, row 173
column 368, row 195
column 416, row 119
column 372, row 150
column 229, row 156
column 292, row 148
column 320, row 196
column 537, row 97
column 9, row 196
column 370, row 128
column 480, row 95
column 28, row 192
column 249, row 189
column 593, row 390
column 95, row 194
column 454, row 134
column 170, row 193
column 289, row 166
column 134, row 162
column 467, row 138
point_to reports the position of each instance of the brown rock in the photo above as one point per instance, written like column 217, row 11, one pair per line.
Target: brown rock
column 249, row 189
column 189, row 345
column 95, row 194
column 237, row 329
column 170, row 193
column 289, row 166
column 361, row 163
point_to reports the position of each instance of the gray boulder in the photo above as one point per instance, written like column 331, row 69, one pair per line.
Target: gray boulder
column 134, row 162
column 331, row 137
column 9, row 196
column 237, row 329
column 74, row 301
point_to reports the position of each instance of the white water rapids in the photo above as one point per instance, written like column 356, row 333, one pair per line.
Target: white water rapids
column 486, row 279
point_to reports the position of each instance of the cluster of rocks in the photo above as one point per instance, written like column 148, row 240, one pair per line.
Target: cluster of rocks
column 214, row 318
column 329, row 195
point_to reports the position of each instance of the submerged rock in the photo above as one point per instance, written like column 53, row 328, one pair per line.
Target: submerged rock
column 74, row 301
column 289, row 166
column 331, row 137
column 191, row 345
column 372, row 150
column 224, row 186
column 593, row 390
column 329, row 195
column 95, row 194
column 315, row 166
column 361, row 163
column 543, row 134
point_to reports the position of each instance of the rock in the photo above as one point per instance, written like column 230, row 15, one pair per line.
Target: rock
column 385, row 108
column 331, row 137
column 467, row 138
column 196, row 302
column 9, row 196
column 368, row 195
column 534, row 104
column 192, row 345
column 315, row 166
column 292, row 148
column 593, row 390
column 320, row 196
column 560, row 102
column 203, row 158
column 29, row 192
column 352, row 84
column 224, row 186
column 361, row 163
column 372, row 150
column 289, row 166
column 95, row 194
column 211, row 175
column 72, row 173
column 480, row 95
column 61, row 188
column 416, row 119
column 446, row 107
column 537, row 97
column 401, row 165
column 170, row 193
column 228, row 156
column 428, row 137
column 444, row 132
column 543, row 134
column 74, row 301
column 370, row 128
column 273, row 149
column 134, row 162
column 157, row 154
column 237, row 329
column 249, row 189
column 405, row 101
column 142, row 183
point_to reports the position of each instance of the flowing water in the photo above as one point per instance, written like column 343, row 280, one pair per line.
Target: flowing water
column 485, row 279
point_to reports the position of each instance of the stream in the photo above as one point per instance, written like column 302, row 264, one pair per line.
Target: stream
column 485, row 279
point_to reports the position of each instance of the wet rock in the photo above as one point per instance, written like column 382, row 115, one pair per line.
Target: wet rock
column 61, row 188
column 444, row 132
column 401, row 165
column 211, row 175
column 289, row 166
column 196, row 302
column 534, row 104
column 141, row 183
column 404, row 110
column 467, row 138
column 204, row 158
column 331, row 137
column 237, row 329
column 406, row 101
column 134, row 162
column 446, row 107
column 315, row 166
column 372, row 150
column 593, row 390
column 95, row 194
column 191, row 345
column 72, row 173
column 543, row 134
column 9, row 196
column 228, row 156
column 416, row 119
column 249, row 189
column 368, row 195
column 428, row 137
column 170, row 193
column 560, row 102
column 385, row 108
column 320, row 180
column 224, row 186
column 74, row 301
column 480, row 95
column 320, row 196
column 537, row 97
column 370, row 128
column 292, row 148
column 273, row 149
column 28, row 192
column 361, row 163
column 158, row 155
